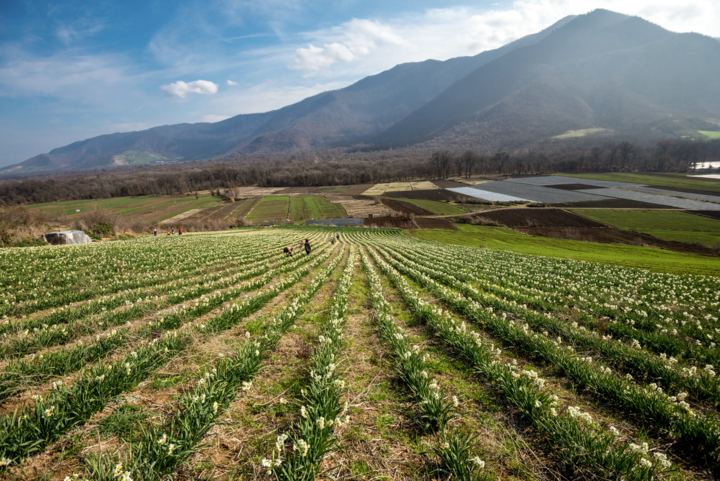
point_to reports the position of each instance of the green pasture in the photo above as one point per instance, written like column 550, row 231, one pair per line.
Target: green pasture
column 502, row 238
column 304, row 207
column 271, row 207
column 669, row 225
column 578, row 133
column 711, row 134
column 129, row 205
column 680, row 181
column 137, row 157
column 69, row 207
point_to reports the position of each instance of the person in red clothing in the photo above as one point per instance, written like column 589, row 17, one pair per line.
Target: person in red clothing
column 179, row 230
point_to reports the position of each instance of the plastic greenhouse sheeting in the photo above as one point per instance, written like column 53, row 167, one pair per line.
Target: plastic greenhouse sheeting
column 67, row 237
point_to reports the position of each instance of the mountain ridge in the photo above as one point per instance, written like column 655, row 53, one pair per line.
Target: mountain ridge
column 601, row 70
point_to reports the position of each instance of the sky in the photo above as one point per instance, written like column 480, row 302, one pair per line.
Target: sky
column 71, row 70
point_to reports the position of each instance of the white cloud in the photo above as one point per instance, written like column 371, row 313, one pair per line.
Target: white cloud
column 230, row 83
column 182, row 89
column 315, row 58
column 360, row 38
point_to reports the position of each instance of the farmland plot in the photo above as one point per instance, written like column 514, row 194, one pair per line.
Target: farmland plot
column 217, row 354
column 314, row 207
column 270, row 208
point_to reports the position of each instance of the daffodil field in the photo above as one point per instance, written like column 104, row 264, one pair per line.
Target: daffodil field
column 380, row 356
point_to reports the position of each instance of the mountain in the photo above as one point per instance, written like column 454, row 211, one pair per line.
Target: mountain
column 602, row 73
column 331, row 118
column 602, row 70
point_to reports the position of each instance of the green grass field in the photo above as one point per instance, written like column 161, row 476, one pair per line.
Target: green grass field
column 190, row 204
column 304, row 207
column 678, row 226
column 68, row 207
column 434, row 206
column 272, row 207
column 711, row 134
column 680, row 181
column 502, row 238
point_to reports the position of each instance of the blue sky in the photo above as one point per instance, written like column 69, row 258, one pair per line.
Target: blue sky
column 70, row 70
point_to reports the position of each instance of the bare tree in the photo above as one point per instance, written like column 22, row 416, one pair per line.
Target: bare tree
column 627, row 152
column 459, row 164
column 469, row 158
column 500, row 159
column 441, row 161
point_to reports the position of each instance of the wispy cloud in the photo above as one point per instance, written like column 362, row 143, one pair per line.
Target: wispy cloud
column 230, row 83
column 69, row 33
column 70, row 75
column 182, row 89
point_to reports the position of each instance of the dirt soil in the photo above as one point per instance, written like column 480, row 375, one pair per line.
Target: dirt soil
column 715, row 214
column 433, row 223
column 687, row 191
column 610, row 204
column 438, row 194
column 390, row 221
column 574, row 186
column 448, row 184
column 405, row 207
column 554, row 218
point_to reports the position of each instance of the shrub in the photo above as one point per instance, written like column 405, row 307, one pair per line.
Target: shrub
column 103, row 229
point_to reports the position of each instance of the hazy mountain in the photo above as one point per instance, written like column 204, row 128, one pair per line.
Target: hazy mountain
column 602, row 71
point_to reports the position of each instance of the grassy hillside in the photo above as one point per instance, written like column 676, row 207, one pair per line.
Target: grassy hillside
column 502, row 238
column 679, row 226
column 680, row 181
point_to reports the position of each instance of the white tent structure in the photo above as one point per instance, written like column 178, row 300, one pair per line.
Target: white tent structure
column 67, row 237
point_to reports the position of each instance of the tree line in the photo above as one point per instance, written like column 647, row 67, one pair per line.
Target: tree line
column 338, row 168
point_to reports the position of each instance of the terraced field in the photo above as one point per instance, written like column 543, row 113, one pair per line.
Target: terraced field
column 214, row 356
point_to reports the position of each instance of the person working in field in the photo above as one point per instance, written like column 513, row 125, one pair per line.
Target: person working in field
column 332, row 240
column 307, row 246
column 337, row 234
column 289, row 251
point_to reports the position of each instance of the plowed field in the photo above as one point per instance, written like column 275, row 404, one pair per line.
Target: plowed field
column 538, row 218
column 405, row 207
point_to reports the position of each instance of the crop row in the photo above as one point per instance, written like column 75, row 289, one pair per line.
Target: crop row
column 657, row 408
column 631, row 357
column 34, row 426
column 454, row 448
column 580, row 439
column 103, row 270
column 60, row 362
column 163, row 448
